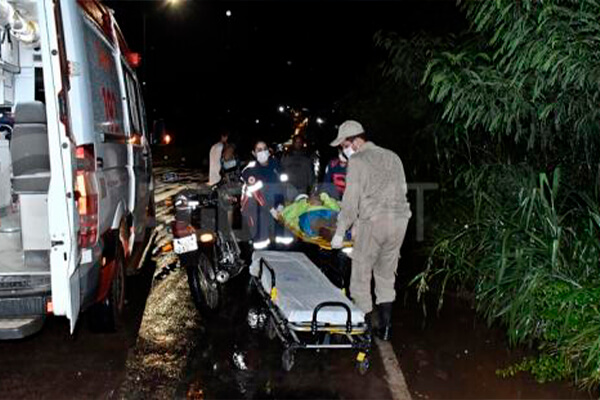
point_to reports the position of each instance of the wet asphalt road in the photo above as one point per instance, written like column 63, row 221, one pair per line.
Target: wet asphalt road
column 52, row 364
column 233, row 360
column 450, row 355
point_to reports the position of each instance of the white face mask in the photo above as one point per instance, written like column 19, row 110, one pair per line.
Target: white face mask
column 262, row 156
column 348, row 151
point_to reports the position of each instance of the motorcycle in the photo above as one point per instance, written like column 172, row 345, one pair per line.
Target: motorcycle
column 209, row 251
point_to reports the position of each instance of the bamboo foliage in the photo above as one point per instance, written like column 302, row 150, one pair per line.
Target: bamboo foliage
column 519, row 96
column 533, row 75
column 529, row 250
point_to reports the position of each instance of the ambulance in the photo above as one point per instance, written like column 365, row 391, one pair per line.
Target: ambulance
column 76, row 188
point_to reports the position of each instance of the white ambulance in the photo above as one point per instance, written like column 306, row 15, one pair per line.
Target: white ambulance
column 76, row 189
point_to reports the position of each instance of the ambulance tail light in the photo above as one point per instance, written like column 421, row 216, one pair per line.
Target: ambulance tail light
column 86, row 195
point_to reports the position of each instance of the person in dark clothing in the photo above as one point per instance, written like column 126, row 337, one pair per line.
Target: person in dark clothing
column 262, row 192
column 230, row 185
column 298, row 167
column 230, row 165
column 334, row 181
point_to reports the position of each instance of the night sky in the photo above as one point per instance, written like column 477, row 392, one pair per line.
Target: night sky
column 205, row 71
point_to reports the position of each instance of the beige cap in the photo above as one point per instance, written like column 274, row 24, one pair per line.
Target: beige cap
column 348, row 129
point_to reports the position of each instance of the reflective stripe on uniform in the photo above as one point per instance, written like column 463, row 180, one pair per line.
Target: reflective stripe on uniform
column 262, row 244
column 284, row 240
column 253, row 188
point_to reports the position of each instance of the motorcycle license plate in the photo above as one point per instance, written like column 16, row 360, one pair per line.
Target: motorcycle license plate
column 185, row 244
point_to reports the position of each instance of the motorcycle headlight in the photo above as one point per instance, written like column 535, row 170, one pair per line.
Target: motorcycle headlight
column 206, row 237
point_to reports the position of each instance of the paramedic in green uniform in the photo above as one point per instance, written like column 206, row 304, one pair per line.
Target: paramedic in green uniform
column 374, row 205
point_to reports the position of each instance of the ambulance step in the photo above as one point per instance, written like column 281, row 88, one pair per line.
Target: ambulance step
column 17, row 328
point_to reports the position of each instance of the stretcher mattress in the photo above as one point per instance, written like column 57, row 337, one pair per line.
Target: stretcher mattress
column 301, row 287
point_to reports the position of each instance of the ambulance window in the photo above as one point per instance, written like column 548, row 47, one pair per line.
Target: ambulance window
column 104, row 83
column 133, row 104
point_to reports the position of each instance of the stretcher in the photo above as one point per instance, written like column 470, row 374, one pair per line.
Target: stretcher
column 334, row 264
column 305, row 310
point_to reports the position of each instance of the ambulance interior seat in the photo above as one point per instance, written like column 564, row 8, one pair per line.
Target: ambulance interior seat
column 29, row 149
column 30, row 155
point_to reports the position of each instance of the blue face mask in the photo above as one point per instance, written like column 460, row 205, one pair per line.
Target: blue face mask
column 229, row 164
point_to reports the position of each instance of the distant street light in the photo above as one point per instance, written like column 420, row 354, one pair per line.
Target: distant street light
column 228, row 13
column 281, row 109
column 173, row 2
column 320, row 120
column 257, row 121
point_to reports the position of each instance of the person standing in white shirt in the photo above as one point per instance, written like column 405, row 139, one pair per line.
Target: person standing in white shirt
column 214, row 160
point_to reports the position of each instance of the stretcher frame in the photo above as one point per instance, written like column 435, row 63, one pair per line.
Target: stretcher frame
column 312, row 335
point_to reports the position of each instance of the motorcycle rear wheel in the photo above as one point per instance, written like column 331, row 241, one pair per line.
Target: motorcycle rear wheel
column 206, row 292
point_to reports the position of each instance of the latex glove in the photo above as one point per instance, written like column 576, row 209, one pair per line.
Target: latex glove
column 274, row 213
column 337, row 242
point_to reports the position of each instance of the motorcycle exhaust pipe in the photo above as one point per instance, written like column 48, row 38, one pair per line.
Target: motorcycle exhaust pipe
column 222, row 276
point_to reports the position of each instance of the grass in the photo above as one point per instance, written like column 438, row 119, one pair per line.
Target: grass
column 529, row 249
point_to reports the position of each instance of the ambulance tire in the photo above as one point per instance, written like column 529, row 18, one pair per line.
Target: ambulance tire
column 106, row 316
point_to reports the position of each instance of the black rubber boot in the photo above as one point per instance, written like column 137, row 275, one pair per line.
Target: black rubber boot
column 385, row 321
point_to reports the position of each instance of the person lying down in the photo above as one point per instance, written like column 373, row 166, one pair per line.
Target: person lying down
column 314, row 216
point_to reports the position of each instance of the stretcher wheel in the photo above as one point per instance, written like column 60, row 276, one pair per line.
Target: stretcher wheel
column 287, row 359
column 363, row 366
column 271, row 329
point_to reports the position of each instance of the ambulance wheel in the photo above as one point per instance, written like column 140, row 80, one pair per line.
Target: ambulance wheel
column 206, row 292
column 363, row 366
column 287, row 359
column 106, row 315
